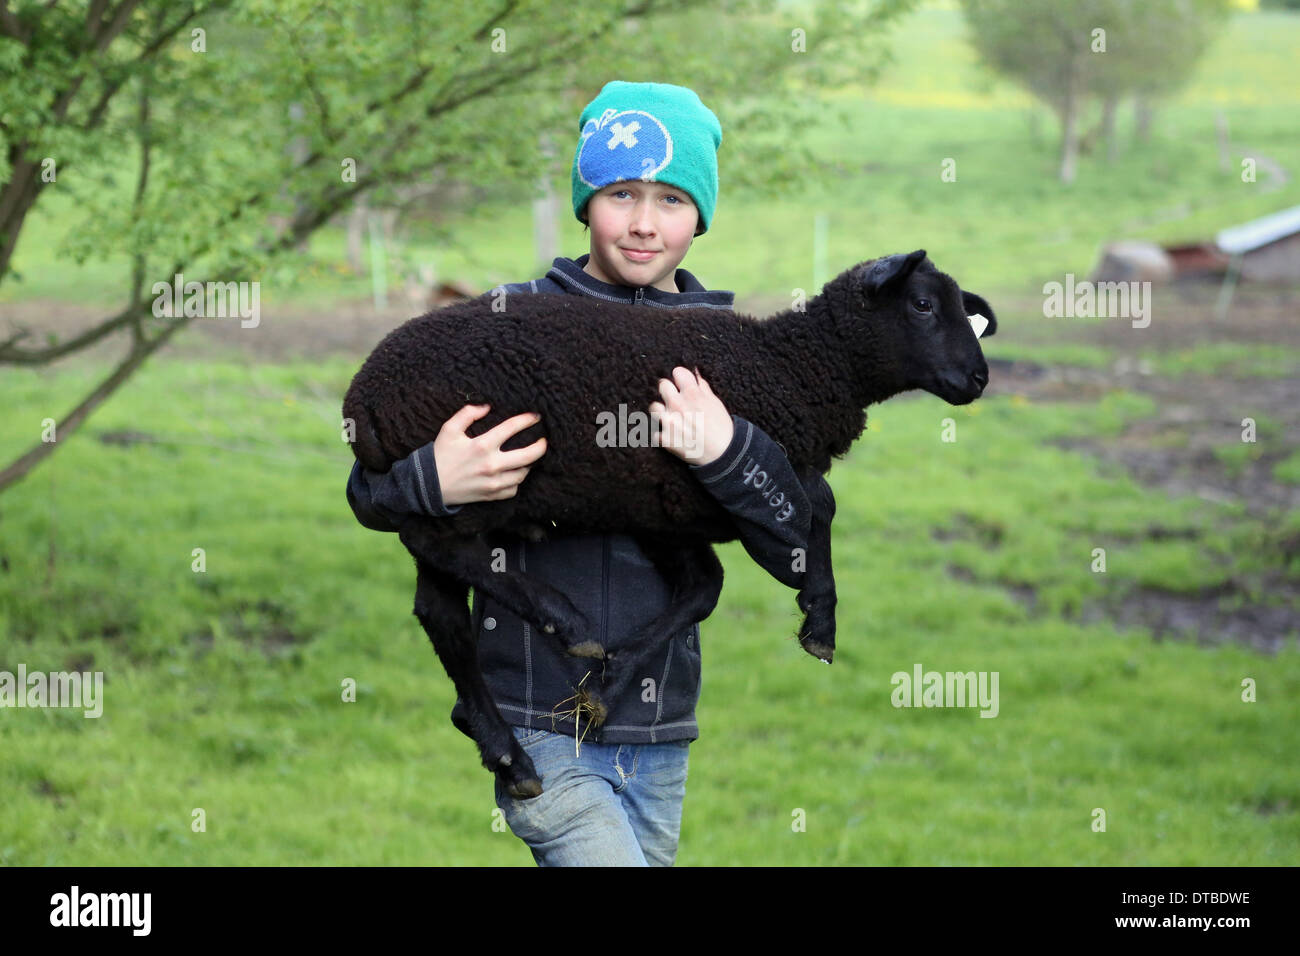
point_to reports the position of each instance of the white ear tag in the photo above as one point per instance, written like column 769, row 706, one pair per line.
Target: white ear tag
column 978, row 323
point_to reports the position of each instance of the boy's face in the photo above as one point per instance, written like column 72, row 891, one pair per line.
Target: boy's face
column 634, row 215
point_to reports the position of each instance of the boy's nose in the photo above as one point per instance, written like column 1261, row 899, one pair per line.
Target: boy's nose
column 643, row 221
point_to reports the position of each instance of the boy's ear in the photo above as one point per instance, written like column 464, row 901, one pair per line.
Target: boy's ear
column 978, row 305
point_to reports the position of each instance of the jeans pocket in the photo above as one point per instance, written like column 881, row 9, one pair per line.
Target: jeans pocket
column 526, row 736
column 688, row 676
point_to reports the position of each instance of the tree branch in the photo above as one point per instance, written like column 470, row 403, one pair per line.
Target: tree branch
column 309, row 78
column 71, row 422
column 96, row 115
column 10, row 354
column 137, row 203
column 94, row 17
column 11, row 26
column 116, row 24
column 19, row 195
column 483, row 32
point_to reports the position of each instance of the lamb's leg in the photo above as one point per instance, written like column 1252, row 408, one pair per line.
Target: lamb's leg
column 440, row 604
column 694, row 575
column 817, row 596
column 471, row 560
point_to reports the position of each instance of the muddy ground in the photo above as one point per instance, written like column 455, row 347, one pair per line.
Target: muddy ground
column 1171, row 450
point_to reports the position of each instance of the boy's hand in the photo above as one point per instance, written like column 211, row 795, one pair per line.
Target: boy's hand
column 692, row 422
column 476, row 469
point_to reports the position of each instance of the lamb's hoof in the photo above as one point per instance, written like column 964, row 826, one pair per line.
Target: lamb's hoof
column 598, row 711
column 519, row 778
column 586, row 649
column 823, row 652
column 525, row 789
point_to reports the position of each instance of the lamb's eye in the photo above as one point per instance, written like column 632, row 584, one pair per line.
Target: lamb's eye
column 921, row 305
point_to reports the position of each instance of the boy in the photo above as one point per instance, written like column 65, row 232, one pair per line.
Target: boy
column 645, row 183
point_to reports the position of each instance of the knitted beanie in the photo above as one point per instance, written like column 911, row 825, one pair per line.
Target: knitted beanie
column 654, row 132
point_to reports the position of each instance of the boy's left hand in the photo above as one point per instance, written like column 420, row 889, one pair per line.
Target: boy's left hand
column 693, row 424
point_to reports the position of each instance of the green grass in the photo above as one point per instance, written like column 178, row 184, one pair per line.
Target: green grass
column 1288, row 470
column 1235, row 359
column 1240, row 359
column 223, row 687
column 200, row 713
column 1090, row 356
column 1236, row 454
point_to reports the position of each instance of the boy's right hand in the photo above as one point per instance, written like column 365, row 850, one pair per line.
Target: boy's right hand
column 476, row 469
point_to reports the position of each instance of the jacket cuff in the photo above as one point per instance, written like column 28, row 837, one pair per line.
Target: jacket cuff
column 755, row 480
column 410, row 486
column 359, row 498
column 741, row 435
column 425, row 467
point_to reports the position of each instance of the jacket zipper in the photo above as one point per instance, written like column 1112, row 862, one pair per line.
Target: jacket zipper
column 640, row 294
column 528, row 657
column 604, row 585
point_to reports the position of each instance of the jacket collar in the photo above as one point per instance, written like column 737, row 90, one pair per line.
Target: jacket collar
column 569, row 274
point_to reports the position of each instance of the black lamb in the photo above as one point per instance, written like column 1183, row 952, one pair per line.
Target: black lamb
column 805, row 377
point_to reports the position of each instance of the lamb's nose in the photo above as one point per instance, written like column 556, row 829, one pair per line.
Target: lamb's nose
column 980, row 378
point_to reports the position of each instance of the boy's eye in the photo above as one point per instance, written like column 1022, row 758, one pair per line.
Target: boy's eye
column 677, row 200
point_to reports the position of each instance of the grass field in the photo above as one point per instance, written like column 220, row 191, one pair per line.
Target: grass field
column 223, row 688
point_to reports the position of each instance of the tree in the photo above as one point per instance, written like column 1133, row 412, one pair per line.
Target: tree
column 188, row 103
column 1068, row 54
column 1167, row 44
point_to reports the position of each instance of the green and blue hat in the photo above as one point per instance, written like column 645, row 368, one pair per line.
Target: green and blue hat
column 654, row 132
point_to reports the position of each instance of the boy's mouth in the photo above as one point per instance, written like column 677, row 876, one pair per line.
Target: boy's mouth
column 639, row 255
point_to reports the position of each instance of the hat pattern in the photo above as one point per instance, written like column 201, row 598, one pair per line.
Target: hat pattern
column 621, row 145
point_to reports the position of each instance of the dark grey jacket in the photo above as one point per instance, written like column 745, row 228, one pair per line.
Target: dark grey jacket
column 607, row 576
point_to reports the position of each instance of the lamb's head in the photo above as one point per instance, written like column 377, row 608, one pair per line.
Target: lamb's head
column 917, row 323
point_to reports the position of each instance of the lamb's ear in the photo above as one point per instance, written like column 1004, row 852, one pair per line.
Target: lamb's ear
column 978, row 305
column 889, row 269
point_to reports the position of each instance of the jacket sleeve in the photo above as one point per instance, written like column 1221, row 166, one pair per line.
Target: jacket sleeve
column 754, row 480
column 409, row 487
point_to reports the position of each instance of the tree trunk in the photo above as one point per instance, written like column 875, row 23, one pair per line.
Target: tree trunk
column 1109, row 107
column 1069, row 112
column 546, row 243
column 1142, row 110
column 17, row 197
column 357, row 236
column 1225, row 148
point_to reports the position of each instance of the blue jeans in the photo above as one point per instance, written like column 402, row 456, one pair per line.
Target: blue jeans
column 613, row 805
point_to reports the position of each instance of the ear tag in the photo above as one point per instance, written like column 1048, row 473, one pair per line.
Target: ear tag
column 978, row 323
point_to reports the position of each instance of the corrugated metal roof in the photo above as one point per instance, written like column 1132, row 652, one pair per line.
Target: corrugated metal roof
column 1259, row 232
